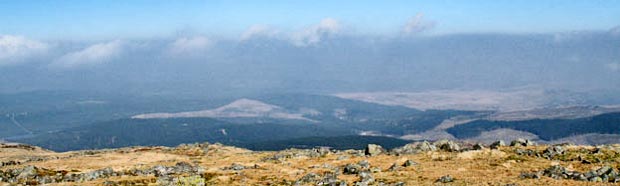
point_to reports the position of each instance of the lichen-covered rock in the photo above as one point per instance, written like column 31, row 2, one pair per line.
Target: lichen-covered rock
column 553, row 151
column 448, row 145
column 522, row 142
column 414, row 148
column 373, row 150
column 364, row 164
column 497, row 144
column 365, row 178
column 445, row 179
column 408, row 163
column 603, row 174
column 351, row 169
column 478, row 146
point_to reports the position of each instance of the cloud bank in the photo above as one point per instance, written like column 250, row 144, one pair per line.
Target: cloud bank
column 190, row 46
column 417, row 24
column 315, row 34
column 92, row 55
column 258, row 31
column 17, row 49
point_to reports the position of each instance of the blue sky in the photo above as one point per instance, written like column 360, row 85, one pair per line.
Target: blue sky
column 81, row 19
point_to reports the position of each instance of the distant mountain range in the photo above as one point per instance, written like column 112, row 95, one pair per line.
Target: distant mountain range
column 289, row 120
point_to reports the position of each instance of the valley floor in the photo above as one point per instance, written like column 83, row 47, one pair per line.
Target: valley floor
column 215, row 164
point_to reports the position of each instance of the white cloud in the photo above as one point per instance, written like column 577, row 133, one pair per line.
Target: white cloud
column 92, row 55
column 417, row 24
column 316, row 33
column 613, row 67
column 190, row 46
column 16, row 49
column 258, row 31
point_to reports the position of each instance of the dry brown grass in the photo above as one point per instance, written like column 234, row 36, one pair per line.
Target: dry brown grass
column 486, row 167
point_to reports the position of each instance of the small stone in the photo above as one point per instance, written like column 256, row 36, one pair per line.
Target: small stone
column 237, row 167
column 530, row 175
column 351, row 169
column 310, row 178
column 478, row 146
column 596, row 179
column 604, row 170
column 342, row 157
column 409, row 163
column 364, row 164
column 445, row 179
column 394, row 167
column 497, row 144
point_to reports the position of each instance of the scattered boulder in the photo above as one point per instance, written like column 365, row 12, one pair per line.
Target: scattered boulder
column 445, row 179
column 448, row 145
column 342, row 157
column 478, row 146
column 522, row 142
column 364, row 164
column 373, row 150
column 497, row 144
column 351, row 169
column 331, row 179
column 603, row 174
column 309, row 178
column 526, row 152
column 414, row 148
column 409, row 163
column 365, row 179
column 394, row 167
column 235, row 167
column 553, row 151
column 9, row 163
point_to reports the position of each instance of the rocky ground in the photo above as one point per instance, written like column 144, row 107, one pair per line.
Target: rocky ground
column 443, row 162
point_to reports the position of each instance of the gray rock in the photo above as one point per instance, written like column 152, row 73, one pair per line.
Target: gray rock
column 365, row 178
column 596, row 179
column 375, row 169
column 364, row 164
column 309, row 178
column 9, row 163
column 395, row 167
column 373, row 150
column 553, row 151
column 448, row 145
column 414, row 148
column 522, row 142
column 330, row 179
column 101, row 173
column 478, row 146
column 236, row 167
column 27, row 172
column 351, row 169
column 556, row 172
column 445, row 179
column 409, row 163
column 605, row 170
column 497, row 144
column 531, row 175
column 342, row 157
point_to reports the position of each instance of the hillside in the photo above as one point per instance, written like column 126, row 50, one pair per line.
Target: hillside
column 545, row 129
column 418, row 163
